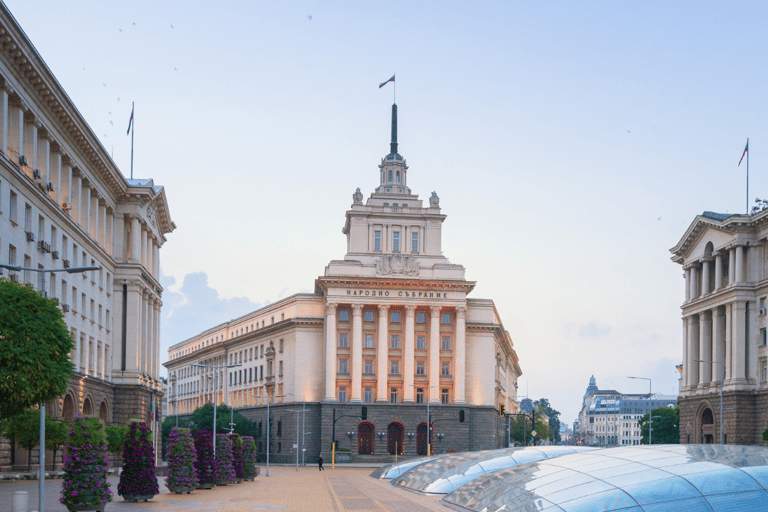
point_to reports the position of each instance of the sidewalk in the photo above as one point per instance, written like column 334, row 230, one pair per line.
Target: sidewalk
column 342, row 490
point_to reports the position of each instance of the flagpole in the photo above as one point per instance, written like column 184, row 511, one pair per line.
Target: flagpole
column 747, row 175
column 133, row 130
column 394, row 94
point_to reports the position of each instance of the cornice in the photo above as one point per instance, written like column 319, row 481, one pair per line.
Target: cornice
column 366, row 283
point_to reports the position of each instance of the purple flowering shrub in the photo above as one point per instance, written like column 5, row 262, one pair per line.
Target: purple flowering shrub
column 237, row 452
column 249, row 458
column 138, row 476
column 85, row 464
column 204, row 464
column 181, row 460
column 224, row 469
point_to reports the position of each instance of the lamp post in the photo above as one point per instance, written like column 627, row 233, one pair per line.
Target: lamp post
column 268, row 397
column 215, row 392
column 722, row 381
column 429, row 419
column 650, row 397
column 70, row 270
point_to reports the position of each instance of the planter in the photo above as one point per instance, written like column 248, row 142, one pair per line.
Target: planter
column 238, row 480
column 343, row 456
column 87, row 508
column 182, row 489
column 133, row 498
column 206, row 486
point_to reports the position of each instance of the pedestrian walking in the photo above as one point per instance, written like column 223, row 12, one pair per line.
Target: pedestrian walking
column 320, row 463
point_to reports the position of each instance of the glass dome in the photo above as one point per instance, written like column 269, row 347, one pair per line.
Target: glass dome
column 657, row 478
column 397, row 468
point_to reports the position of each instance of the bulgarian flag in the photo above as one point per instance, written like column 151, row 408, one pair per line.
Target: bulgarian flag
column 746, row 148
column 382, row 84
column 130, row 121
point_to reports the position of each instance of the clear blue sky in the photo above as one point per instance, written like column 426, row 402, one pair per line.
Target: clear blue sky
column 571, row 144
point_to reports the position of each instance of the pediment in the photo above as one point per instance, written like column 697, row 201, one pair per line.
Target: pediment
column 719, row 229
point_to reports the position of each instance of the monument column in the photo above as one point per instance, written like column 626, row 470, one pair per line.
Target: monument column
column 693, row 351
column 687, row 284
column 740, row 264
column 408, row 348
column 381, row 354
column 330, row 352
column 434, row 354
column 739, row 337
column 461, row 355
column 357, row 352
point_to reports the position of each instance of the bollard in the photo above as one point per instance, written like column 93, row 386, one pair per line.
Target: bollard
column 20, row 501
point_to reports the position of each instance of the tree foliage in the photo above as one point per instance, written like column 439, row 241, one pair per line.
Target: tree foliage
column 554, row 418
column 666, row 426
column 34, row 349
column 520, row 428
column 116, row 438
column 25, row 429
column 55, row 436
column 202, row 419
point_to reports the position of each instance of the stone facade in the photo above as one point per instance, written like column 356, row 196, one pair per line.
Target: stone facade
column 390, row 327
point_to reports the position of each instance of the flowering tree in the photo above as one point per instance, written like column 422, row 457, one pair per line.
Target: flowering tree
column 85, row 466
column 182, row 457
column 138, row 480
column 237, row 452
column 224, row 464
column 249, row 458
column 204, row 464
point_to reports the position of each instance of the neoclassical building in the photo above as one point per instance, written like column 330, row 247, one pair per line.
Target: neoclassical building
column 724, row 328
column 390, row 327
column 65, row 204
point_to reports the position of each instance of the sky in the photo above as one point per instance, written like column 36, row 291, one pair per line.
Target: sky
column 571, row 145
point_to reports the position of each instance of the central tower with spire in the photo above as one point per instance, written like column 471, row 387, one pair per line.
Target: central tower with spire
column 393, row 172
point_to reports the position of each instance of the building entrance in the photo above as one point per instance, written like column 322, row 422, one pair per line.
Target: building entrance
column 707, row 426
column 395, row 438
column 421, row 438
column 365, row 433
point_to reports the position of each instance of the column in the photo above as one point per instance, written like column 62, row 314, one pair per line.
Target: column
column 85, row 212
column 16, row 132
column 731, row 266
column 55, row 174
column 158, row 307
column 409, row 345
column 693, row 351
column 694, row 282
column 461, row 356
column 728, row 342
column 135, row 239
column 684, row 376
column 718, row 350
column 357, row 353
column 143, row 336
column 687, row 284
column 705, row 347
column 143, row 249
column 30, row 142
column 43, row 156
column 434, row 354
column 76, row 191
column 705, row 276
column 718, row 271
column 66, row 183
column 109, row 225
column 157, row 260
column 330, row 352
column 739, row 337
column 382, row 350
column 740, row 264
column 101, row 224
column 4, row 121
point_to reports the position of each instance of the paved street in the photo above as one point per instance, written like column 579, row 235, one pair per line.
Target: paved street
column 345, row 489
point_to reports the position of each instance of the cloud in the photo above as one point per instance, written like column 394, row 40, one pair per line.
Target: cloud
column 195, row 307
column 593, row 330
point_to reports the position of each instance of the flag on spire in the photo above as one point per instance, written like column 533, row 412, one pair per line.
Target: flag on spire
column 746, row 148
column 382, row 84
column 130, row 122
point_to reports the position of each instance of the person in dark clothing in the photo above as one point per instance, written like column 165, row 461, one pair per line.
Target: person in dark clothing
column 320, row 463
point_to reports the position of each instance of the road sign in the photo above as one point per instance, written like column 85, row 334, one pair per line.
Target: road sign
column 533, row 433
column 303, row 447
column 295, row 446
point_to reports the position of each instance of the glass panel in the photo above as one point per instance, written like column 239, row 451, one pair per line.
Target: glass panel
column 661, row 490
column 613, row 499
column 726, row 480
column 694, row 467
column 755, row 500
column 640, row 477
column 759, row 473
column 579, row 491
column 625, row 469
column 687, row 505
column 572, row 481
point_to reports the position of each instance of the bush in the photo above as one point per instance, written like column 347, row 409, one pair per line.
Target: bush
column 249, row 458
column 225, row 468
column 765, row 435
column 205, row 462
column 237, row 452
column 182, row 457
column 138, row 476
column 85, row 465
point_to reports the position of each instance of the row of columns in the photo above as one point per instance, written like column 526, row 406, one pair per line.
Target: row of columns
column 144, row 246
column 93, row 356
column 698, row 274
column 718, row 335
column 409, row 341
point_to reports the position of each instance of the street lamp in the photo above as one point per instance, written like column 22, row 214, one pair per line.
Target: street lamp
column 722, row 381
column 215, row 392
column 70, row 270
column 268, row 397
column 650, row 419
column 429, row 419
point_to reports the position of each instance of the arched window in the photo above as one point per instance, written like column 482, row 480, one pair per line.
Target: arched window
column 390, row 175
column 398, row 176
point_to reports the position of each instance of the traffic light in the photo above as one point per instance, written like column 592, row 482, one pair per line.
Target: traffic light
column 364, row 413
column 461, row 416
column 501, row 410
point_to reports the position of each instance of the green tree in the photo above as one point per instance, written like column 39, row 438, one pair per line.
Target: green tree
column 202, row 419
column 25, row 429
column 55, row 436
column 666, row 426
column 520, row 428
column 554, row 418
column 115, row 435
column 34, row 353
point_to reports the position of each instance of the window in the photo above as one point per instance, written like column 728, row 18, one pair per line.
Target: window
column 389, row 175
column 394, row 342
column 369, row 316
column 230, row 379
column 13, row 206
column 261, row 372
column 444, row 396
column 421, row 343
column 27, row 217
column 420, row 368
column 343, row 341
column 281, row 346
column 445, row 368
column 421, row 318
column 419, row 396
column 280, row 369
column 394, row 367
column 393, row 395
column 250, row 374
column 446, row 343
column 764, row 370
column 368, row 395
column 368, row 367
column 54, row 245
column 11, row 255
column 343, row 366
column 368, row 341
column 279, row 428
column 40, row 228
column 342, row 393
column 344, row 315
column 395, row 241
column 762, row 336
column 395, row 317
column 446, row 318
column 415, row 242
column 377, row 241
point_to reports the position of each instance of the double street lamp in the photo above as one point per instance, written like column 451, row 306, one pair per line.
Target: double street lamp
column 69, row 270
column 268, row 397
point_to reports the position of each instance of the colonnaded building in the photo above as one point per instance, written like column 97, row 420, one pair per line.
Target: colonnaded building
column 724, row 328
column 65, row 204
column 390, row 328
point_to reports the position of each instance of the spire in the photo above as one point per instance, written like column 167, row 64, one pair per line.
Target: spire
column 393, row 144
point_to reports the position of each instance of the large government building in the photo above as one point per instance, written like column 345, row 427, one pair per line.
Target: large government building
column 390, row 328
column 65, row 204
column 724, row 328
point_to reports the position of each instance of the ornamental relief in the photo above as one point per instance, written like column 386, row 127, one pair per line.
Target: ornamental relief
column 152, row 216
column 397, row 264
